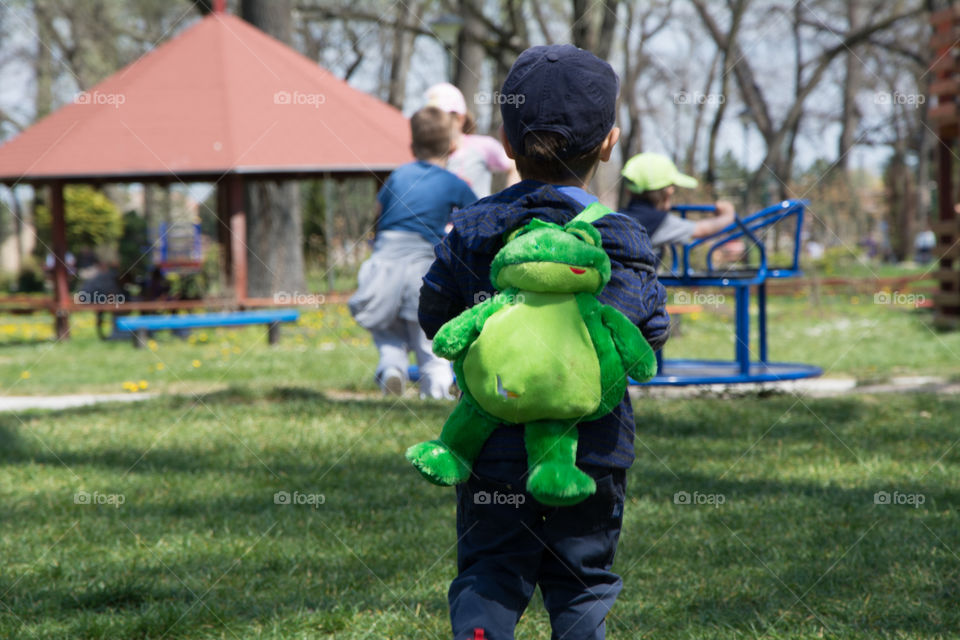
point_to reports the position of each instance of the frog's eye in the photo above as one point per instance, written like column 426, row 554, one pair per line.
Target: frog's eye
column 583, row 235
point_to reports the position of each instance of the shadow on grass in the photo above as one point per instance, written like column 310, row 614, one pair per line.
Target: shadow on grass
column 227, row 555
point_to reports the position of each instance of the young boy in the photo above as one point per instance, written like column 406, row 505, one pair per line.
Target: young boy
column 415, row 206
column 557, row 125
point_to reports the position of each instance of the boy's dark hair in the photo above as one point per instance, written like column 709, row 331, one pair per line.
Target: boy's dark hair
column 653, row 198
column 431, row 129
column 539, row 159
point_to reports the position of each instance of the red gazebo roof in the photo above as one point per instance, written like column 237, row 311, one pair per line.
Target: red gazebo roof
column 221, row 97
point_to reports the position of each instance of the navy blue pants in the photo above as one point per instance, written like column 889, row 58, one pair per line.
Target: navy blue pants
column 508, row 543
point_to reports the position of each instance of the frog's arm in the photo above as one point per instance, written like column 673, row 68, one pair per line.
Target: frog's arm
column 457, row 334
column 638, row 358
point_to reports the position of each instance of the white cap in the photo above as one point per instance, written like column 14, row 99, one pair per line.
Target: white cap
column 446, row 97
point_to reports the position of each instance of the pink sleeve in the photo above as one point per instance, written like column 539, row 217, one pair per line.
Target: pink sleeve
column 493, row 154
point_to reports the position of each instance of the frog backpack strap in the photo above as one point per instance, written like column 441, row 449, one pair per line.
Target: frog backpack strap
column 593, row 212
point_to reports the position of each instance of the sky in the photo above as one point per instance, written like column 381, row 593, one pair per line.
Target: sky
column 429, row 65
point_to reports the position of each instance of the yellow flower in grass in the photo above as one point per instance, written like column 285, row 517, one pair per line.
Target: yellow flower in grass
column 24, row 375
column 130, row 386
column 152, row 345
column 143, row 384
column 196, row 364
column 161, row 366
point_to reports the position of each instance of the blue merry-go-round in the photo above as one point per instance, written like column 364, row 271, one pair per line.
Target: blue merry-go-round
column 748, row 365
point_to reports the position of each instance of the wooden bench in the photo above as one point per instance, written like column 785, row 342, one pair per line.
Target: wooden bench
column 139, row 326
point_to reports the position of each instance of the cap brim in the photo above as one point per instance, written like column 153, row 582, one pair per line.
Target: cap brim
column 685, row 181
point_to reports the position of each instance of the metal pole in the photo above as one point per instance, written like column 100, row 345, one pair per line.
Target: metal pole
column 743, row 328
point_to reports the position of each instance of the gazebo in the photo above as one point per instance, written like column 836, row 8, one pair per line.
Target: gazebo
column 223, row 103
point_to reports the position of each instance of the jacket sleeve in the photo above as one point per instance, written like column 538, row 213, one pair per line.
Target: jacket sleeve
column 440, row 296
column 634, row 288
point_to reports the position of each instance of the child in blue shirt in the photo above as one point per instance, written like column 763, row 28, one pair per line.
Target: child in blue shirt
column 415, row 206
column 558, row 124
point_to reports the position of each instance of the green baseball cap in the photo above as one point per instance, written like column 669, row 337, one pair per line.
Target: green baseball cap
column 652, row 171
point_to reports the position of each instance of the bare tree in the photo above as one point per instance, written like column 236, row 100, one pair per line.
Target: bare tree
column 274, row 220
column 777, row 134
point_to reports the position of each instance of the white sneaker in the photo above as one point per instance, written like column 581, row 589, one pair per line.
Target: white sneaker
column 392, row 382
column 438, row 390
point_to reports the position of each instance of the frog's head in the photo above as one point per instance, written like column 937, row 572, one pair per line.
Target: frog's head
column 549, row 258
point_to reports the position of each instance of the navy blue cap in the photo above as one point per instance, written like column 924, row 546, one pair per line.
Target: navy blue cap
column 560, row 88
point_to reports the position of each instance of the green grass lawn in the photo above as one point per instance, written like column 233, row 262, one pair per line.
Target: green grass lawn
column 325, row 347
column 187, row 540
column 848, row 336
column 199, row 548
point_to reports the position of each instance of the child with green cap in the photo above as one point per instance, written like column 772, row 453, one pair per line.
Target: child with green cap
column 652, row 180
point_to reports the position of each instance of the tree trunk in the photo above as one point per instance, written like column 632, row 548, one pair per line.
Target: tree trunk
column 701, row 107
column 274, row 239
column 402, row 52
column 43, row 65
column 274, row 221
column 853, row 74
column 583, row 34
column 608, row 25
column 470, row 54
column 900, row 214
column 924, row 153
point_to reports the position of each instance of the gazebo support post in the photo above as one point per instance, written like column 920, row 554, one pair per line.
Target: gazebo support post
column 223, row 232
column 238, row 238
column 61, row 287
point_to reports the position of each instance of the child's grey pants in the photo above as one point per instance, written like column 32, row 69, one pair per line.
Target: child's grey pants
column 394, row 343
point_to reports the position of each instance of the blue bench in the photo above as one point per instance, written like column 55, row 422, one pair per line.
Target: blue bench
column 139, row 326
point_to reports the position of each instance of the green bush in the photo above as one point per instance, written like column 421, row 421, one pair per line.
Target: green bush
column 134, row 241
column 837, row 261
column 92, row 219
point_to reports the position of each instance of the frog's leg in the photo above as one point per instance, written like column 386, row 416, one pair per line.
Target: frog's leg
column 554, row 478
column 449, row 460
